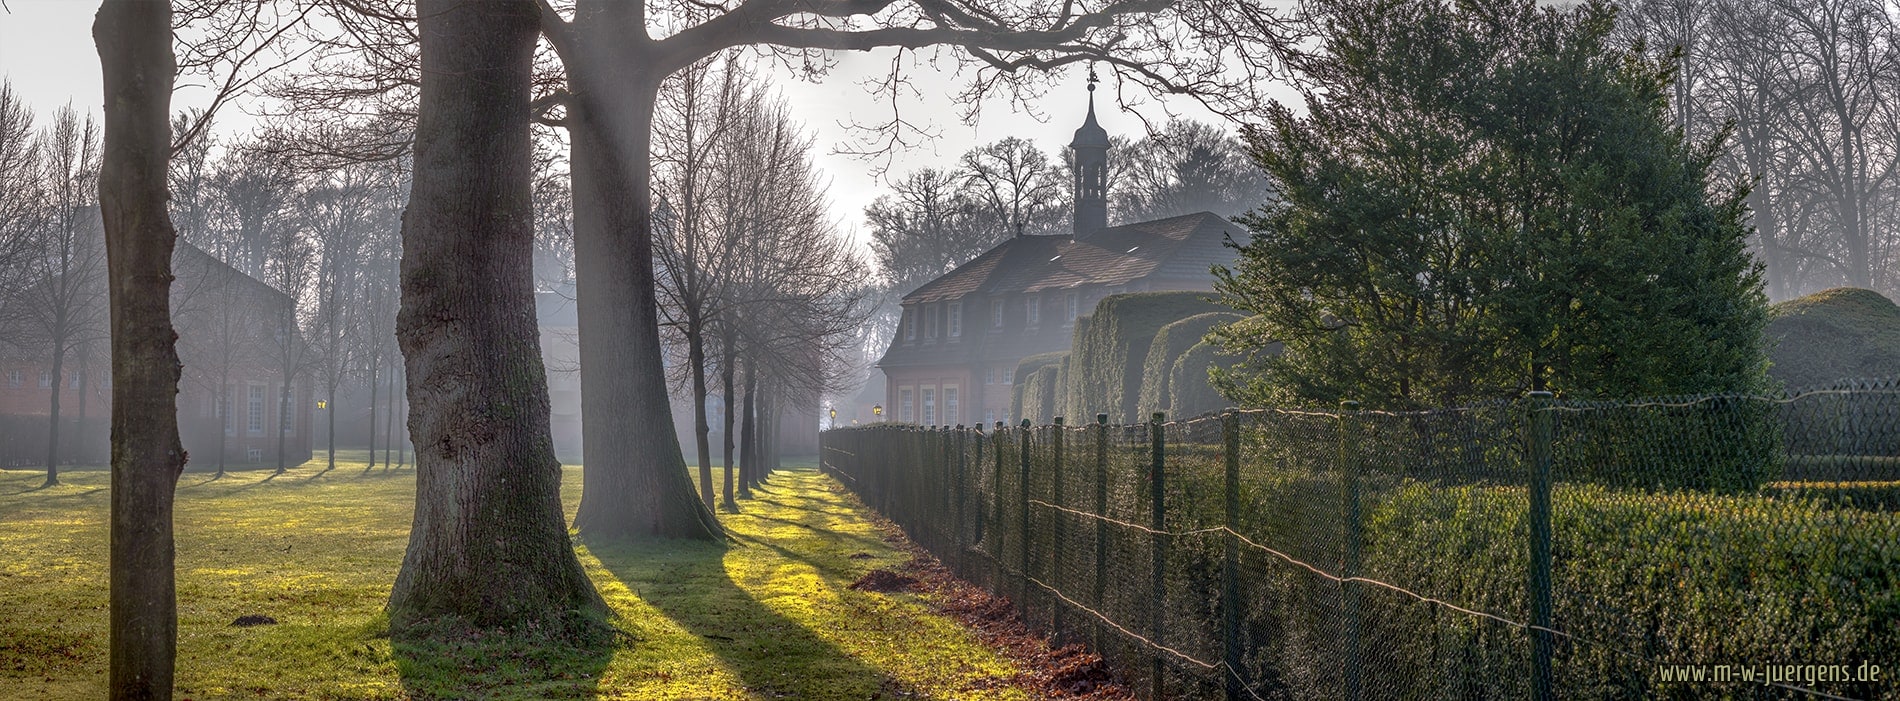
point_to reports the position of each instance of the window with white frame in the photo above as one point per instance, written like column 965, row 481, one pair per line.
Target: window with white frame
column 910, row 325
column 1032, row 309
column 256, row 407
column 930, row 406
column 989, row 416
column 906, row 405
column 956, row 319
column 996, row 313
column 46, row 380
column 989, row 375
column 1074, row 304
column 930, row 321
column 1005, row 375
column 77, row 381
column 950, row 417
column 14, row 379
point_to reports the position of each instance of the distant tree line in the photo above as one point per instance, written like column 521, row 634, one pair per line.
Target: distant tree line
column 1808, row 94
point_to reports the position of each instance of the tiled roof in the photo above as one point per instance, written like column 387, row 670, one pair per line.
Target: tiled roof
column 1183, row 246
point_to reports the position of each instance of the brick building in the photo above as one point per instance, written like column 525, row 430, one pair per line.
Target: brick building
column 228, row 325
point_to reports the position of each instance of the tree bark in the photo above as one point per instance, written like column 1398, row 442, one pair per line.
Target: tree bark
column 696, row 357
column 374, row 370
column 135, row 56
column 748, row 435
column 389, row 419
column 52, row 427
column 635, row 482
column 283, row 417
column 729, row 354
column 489, row 546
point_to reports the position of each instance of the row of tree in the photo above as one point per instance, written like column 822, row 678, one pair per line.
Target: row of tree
column 489, row 546
column 1807, row 93
column 324, row 237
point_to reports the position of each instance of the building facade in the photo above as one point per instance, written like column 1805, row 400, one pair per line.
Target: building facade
column 953, row 359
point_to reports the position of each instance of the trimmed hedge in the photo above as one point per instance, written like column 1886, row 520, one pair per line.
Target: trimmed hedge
column 1639, row 578
column 1822, row 338
column 1170, row 343
column 1037, row 387
column 1107, row 356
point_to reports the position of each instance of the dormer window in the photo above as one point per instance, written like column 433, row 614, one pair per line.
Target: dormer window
column 956, row 319
column 1032, row 309
column 996, row 313
column 910, row 325
column 1074, row 305
column 930, row 322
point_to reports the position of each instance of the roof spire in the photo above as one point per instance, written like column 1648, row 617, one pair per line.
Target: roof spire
column 1091, row 134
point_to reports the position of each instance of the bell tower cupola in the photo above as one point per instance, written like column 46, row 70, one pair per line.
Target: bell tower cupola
column 1090, row 149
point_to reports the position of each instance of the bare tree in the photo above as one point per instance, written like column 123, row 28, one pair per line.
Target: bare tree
column 1184, row 168
column 134, row 42
column 55, row 309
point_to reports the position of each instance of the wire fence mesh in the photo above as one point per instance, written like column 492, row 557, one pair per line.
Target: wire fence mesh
column 1691, row 547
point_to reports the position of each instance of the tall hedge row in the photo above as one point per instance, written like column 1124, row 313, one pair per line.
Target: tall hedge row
column 1108, row 356
column 1157, row 372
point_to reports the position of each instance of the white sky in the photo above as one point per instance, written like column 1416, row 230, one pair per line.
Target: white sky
column 46, row 51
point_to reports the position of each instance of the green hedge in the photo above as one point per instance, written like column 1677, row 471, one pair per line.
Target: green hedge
column 1107, row 356
column 1170, row 343
column 1037, row 390
column 1639, row 579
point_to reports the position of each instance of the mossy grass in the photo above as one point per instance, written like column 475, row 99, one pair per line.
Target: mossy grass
column 768, row 615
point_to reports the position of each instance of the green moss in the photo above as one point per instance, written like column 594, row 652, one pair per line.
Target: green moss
column 1823, row 338
column 768, row 618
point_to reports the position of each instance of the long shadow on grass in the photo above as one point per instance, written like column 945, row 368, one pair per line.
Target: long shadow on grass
column 773, row 655
column 561, row 658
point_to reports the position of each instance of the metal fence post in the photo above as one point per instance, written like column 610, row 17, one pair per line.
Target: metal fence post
column 1230, row 570
column 1023, row 504
column 956, row 518
column 996, row 514
column 1349, row 567
column 1539, row 405
column 1157, row 497
column 1101, row 524
column 1057, row 519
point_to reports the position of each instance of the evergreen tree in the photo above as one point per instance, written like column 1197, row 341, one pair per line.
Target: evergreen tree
column 1488, row 197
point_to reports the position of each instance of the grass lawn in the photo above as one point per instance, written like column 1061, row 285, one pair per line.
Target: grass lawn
column 767, row 618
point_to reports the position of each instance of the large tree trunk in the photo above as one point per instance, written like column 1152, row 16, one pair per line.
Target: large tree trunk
column 635, row 482
column 52, row 423
column 135, row 55
column 489, row 545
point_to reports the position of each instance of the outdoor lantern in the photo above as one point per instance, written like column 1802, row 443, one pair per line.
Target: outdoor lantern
column 322, row 404
column 877, row 410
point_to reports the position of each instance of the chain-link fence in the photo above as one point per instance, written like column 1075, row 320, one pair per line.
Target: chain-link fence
column 1695, row 547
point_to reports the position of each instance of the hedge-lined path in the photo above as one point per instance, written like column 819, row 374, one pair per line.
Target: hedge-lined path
column 771, row 617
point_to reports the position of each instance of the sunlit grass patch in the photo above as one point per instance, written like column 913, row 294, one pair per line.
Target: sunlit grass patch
column 767, row 617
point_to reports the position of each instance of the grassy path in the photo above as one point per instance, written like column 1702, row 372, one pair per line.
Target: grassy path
column 768, row 618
